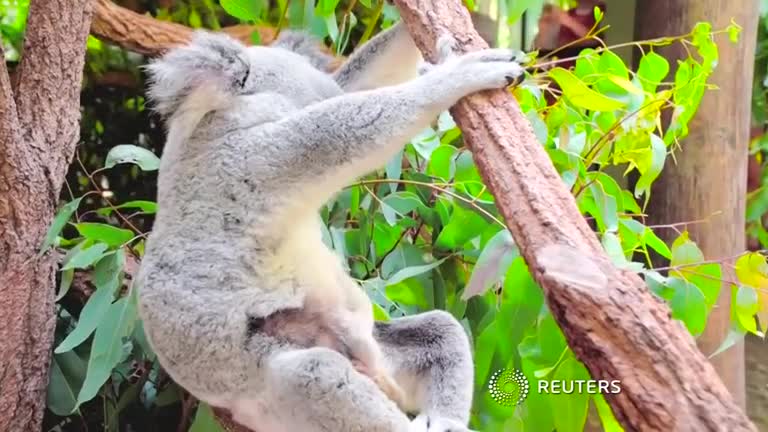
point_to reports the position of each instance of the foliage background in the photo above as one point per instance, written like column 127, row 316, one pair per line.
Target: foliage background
column 421, row 234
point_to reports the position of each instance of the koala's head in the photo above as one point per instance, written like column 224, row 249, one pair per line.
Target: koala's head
column 294, row 66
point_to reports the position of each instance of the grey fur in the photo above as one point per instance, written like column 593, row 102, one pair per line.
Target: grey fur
column 258, row 140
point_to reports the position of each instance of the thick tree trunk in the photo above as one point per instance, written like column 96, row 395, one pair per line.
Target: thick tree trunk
column 39, row 128
column 612, row 322
column 708, row 180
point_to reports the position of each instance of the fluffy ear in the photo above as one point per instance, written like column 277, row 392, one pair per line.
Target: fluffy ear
column 308, row 46
column 214, row 61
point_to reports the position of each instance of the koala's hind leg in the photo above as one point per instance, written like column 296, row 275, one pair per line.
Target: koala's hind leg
column 431, row 359
column 318, row 390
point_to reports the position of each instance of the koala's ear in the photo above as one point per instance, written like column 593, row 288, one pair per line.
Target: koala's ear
column 308, row 46
column 213, row 60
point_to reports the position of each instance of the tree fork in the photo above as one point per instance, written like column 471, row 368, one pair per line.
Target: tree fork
column 614, row 325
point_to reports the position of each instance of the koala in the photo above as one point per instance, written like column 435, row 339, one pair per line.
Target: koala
column 243, row 303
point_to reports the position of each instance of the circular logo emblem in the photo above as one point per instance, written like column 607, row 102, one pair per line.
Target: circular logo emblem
column 508, row 387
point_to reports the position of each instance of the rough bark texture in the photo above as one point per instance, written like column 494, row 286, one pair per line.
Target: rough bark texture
column 612, row 322
column 38, row 133
column 757, row 381
column 146, row 35
column 707, row 182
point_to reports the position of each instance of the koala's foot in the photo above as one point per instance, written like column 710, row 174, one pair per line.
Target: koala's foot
column 385, row 383
column 427, row 423
column 390, row 388
column 475, row 71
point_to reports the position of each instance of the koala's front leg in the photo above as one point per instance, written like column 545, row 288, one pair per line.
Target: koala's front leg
column 345, row 137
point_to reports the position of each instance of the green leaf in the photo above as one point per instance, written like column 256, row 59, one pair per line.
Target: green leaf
column 607, row 419
column 463, row 226
column 104, row 233
column 410, row 272
column 147, row 207
column 66, row 282
column 684, row 251
column 745, row 307
column 106, row 277
column 492, row 264
column 425, row 143
column 608, row 206
column 205, row 420
column 707, row 278
column 651, row 239
column 613, row 249
column 127, row 153
column 651, row 166
column 108, row 348
column 66, row 379
column 86, row 257
column 63, row 215
column 485, row 347
column 652, row 70
column 332, row 26
column 733, row 337
column 517, row 8
column 688, row 305
column 581, row 95
column 246, row 10
column 394, row 170
column 403, row 202
column 570, row 409
column 442, row 162
column 734, row 31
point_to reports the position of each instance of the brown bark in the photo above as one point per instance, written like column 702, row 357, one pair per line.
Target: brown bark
column 146, row 35
column 38, row 133
column 610, row 319
column 708, row 180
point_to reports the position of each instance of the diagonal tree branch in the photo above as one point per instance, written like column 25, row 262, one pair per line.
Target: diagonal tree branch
column 610, row 319
column 149, row 36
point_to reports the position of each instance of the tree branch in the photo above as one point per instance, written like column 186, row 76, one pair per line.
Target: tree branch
column 610, row 319
column 149, row 36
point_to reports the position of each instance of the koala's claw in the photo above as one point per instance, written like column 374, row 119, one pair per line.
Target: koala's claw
column 513, row 80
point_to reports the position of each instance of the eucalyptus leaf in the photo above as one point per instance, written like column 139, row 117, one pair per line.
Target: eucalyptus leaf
column 128, row 153
column 59, row 222
column 246, row 10
column 205, row 420
column 107, row 280
column 107, row 348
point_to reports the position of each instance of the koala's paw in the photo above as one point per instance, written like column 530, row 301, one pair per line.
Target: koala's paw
column 390, row 388
column 385, row 382
column 427, row 423
column 488, row 69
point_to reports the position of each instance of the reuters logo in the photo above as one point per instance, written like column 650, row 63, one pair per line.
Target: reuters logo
column 508, row 387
